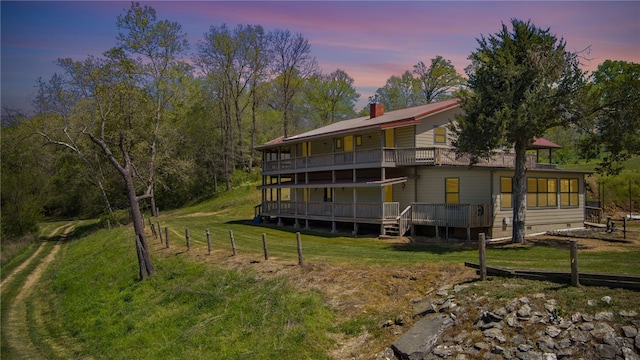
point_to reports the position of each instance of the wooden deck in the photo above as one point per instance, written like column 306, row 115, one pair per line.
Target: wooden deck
column 387, row 157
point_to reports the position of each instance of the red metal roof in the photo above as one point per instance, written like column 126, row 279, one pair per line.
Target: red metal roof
column 393, row 118
column 542, row 143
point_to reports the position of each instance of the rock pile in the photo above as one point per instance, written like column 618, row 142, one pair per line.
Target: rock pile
column 525, row 328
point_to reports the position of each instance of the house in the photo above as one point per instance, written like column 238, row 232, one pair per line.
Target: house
column 394, row 172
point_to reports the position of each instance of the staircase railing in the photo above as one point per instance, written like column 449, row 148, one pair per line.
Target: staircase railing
column 404, row 221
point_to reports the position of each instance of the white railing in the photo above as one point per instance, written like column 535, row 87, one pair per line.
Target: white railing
column 404, row 221
column 388, row 210
column 399, row 157
column 452, row 215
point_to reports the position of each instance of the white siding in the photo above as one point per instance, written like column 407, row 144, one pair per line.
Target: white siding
column 405, row 137
column 424, row 130
column 475, row 185
column 539, row 219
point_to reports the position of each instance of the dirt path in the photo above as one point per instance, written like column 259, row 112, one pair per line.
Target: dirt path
column 16, row 327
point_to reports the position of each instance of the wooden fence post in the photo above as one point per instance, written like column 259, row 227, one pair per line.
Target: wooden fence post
column 300, row 261
column 160, row 231
column 166, row 236
column 208, row 242
column 575, row 280
column 483, row 260
column 186, row 235
column 264, row 245
column 233, row 243
column 153, row 229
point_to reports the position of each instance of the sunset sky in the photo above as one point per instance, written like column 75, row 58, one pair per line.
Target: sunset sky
column 370, row 40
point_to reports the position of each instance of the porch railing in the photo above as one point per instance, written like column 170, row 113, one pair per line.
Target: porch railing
column 452, row 215
column 393, row 157
column 388, row 210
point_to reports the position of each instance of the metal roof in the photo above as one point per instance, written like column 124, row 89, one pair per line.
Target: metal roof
column 402, row 117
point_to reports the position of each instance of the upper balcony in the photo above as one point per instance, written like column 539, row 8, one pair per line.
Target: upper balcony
column 386, row 157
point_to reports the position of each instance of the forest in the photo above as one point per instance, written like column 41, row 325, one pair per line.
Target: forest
column 158, row 123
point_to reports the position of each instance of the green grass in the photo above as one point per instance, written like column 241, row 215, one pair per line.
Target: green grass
column 186, row 310
column 91, row 304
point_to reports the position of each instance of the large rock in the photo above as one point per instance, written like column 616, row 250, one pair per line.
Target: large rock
column 418, row 342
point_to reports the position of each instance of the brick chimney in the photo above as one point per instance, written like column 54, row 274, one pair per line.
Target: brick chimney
column 375, row 108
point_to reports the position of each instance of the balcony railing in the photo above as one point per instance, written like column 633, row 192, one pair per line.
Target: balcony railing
column 388, row 210
column 392, row 157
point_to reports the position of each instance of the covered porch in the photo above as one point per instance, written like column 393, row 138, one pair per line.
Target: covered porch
column 392, row 219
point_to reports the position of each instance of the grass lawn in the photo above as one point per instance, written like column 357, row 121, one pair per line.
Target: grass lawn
column 90, row 303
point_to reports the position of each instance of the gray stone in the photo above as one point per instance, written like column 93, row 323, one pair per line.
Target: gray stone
column 546, row 344
column 424, row 307
column 628, row 313
column 442, row 351
column 601, row 330
column 420, row 339
column 525, row 347
column 553, row 331
column 563, row 344
column 638, row 341
column 586, row 326
column 495, row 333
column 518, row 340
column 579, row 336
column 512, row 320
column 459, row 288
column 629, row 331
column 550, row 308
column 605, row 316
column 489, row 316
column 481, row 346
column 587, row 317
column 629, row 354
column 565, row 324
column 524, row 300
column 577, row 317
column 524, row 311
column 549, row 356
column 606, row 351
column 529, row 355
column 592, row 302
column 606, row 299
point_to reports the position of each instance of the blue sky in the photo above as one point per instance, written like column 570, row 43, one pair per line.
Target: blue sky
column 370, row 40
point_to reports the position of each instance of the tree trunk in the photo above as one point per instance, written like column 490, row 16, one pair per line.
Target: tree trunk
column 519, row 193
column 144, row 258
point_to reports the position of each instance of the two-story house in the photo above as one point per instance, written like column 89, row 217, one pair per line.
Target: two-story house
column 394, row 172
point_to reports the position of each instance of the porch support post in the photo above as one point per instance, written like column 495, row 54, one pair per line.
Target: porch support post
column 306, row 224
column 296, row 224
column 355, row 229
column 333, row 227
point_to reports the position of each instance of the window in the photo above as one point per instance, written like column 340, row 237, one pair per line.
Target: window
column 506, row 192
column 542, row 192
column 358, row 140
column 440, row 135
column 568, row 192
column 338, row 143
column 452, row 190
